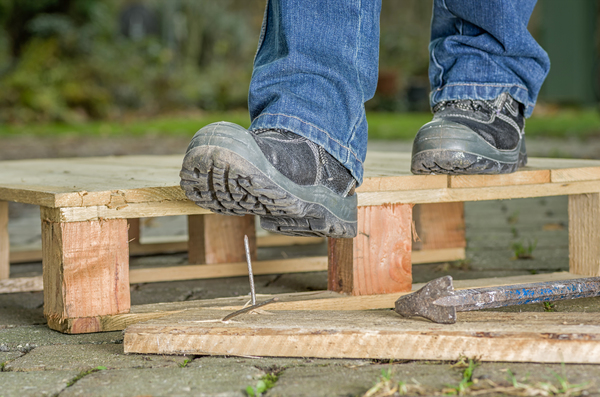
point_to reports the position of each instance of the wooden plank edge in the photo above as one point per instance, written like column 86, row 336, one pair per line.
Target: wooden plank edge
column 164, row 245
column 290, row 301
column 478, row 193
column 438, row 255
column 433, row 345
column 21, row 284
column 116, row 322
column 189, row 272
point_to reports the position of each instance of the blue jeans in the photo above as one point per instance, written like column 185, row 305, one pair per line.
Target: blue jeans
column 317, row 64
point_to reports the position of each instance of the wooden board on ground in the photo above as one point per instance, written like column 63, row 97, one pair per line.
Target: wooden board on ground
column 131, row 181
column 314, row 300
column 381, row 334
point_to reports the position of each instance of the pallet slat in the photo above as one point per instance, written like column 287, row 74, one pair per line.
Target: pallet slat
column 142, row 179
column 489, row 336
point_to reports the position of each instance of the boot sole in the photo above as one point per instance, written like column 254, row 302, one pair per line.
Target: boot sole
column 443, row 147
column 225, row 171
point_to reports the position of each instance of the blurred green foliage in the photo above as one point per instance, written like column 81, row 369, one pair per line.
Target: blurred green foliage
column 73, row 60
column 68, row 61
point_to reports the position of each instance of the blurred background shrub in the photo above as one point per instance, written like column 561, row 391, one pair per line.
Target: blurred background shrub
column 78, row 60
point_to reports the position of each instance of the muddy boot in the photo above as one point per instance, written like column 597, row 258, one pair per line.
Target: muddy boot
column 472, row 137
column 294, row 185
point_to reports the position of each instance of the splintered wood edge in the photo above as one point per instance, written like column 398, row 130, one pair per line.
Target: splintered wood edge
column 186, row 207
column 486, row 336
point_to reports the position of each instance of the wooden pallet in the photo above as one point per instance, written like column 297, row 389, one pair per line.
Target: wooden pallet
column 90, row 209
column 333, row 326
column 85, row 205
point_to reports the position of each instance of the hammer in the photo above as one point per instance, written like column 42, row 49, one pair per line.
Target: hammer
column 439, row 302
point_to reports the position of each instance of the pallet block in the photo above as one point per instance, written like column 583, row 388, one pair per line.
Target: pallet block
column 377, row 261
column 219, row 238
column 584, row 234
column 86, row 273
column 70, row 194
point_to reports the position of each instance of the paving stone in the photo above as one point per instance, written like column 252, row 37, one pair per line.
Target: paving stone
column 22, row 309
column 25, row 338
column 275, row 364
column 208, row 380
column 329, row 381
column 8, row 356
column 85, row 357
column 34, row 384
column 531, row 374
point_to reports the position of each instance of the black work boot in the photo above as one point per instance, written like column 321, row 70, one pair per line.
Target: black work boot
column 294, row 185
column 472, row 137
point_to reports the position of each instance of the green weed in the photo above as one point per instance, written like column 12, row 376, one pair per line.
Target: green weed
column 265, row 383
column 83, row 374
column 467, row 378
column 549, row 307
column 522, row 251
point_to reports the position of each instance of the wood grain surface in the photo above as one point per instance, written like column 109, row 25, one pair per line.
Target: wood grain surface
column 381, row 334
column 113, row 182
column 86, row 269
column 584, row 234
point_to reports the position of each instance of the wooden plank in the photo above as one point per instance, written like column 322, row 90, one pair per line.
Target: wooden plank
column 439, row 226
column 526, row 177
column 489, row 336
column 85, row 271
column 584, row 234
column 171, row 244
column 189, row 272
column 173, row 273
column 139, row 210
column 220, row 238
column 167, row 208
column 578, row 174
column 317, row 300
column 478, row 193
column 4, row 242
column 21, row 284
column 381, row 253
column 141, row 179
column 26, row 254
column 437, row 255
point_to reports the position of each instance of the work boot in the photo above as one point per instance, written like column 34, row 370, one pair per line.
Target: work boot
column 294, row 185
column 472, row 137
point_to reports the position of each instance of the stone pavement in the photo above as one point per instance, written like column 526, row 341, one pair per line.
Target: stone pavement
column 36, row 361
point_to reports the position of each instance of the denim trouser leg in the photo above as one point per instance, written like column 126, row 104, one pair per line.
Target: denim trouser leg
column 482, row 48
column 315, row 67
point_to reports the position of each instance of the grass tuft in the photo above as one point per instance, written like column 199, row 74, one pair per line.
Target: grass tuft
column 83, row 374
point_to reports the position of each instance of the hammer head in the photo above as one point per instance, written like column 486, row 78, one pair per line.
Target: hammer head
column 422, row 302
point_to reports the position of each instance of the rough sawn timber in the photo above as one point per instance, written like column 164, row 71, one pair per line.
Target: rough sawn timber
column 584, row 234
column 86, row 272
column 489, row 336
column 135, row 186
column 378, row 259
column 317, row 300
